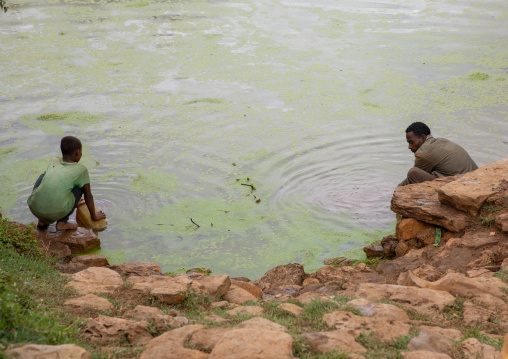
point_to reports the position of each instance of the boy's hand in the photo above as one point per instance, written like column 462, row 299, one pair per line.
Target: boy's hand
column 99, row 215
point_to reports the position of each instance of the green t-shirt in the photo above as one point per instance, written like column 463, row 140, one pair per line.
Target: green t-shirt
column 53, row 199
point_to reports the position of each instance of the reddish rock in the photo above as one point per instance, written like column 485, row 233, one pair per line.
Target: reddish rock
column 170, row 345
column 249, row 287
column 90, row 260
column 389, row 243
column 469, row 193
column 246, row 310
column 421, row 299
column 433, row 342
column 170, row 290
column 428, row 272
column 289, row 274
column 501, row 221
column 238, row 295
column 216, row 285
column 206, row 339
column 409, row 228
column 253, row 344
column 308, row 297
column 217, row 319
column 479, row 240
column 459, row 285
column 379, row 310
column 87, row 302
column 109, row 330
column 36, row 351
column 450, row 333
column 504, row 265
column 80, row 240
column 473, row 349
column 327, row 341
column 143, row 269
column 347, row 322
column 409, row 279
column 423, row 354
column 291, row 308
column 164, row 323
column 95, row 279
column 262, row 324
column 420, row 201
column 374, row 250
column 311, row 281
column 142, row 312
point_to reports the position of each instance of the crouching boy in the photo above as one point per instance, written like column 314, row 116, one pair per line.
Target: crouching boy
column 57, row 192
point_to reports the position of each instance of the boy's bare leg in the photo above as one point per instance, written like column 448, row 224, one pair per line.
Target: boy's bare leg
column 42, row 224
column 81, row 202
column 63, row 226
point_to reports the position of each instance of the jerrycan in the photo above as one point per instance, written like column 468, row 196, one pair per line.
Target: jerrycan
column 85, row 220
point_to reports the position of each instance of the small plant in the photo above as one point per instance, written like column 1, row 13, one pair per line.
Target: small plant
column 487, row 221
column 475, row 332
column 19, row 238
column 503, row 275
column 456, row 309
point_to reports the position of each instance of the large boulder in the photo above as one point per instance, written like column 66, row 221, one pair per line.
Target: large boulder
column 142, row 269
column 89, row 302
column 459, row 285
column 36, row 351
column 469, row 193
column 96, row 279
column 420, row 201
column 473, row 349
column 289, row 274
column 170, row 290
column 261, row 324
column 431, row 341
column 142, row 312
column 327, row 341
column 253, row 344
column 215, row 286
column 238, row 295
column 409, row 228
column 379, row 310
column 170, row 345
column 110, row 330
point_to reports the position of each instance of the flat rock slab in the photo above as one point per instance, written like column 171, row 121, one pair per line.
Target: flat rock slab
column 238, row 295
column 459, row 285
column 95, row 279
column 170, row 345
column 108, row 330
column 289, row 274
column 35, row 351
column 469, row 193
column 327, row 341
column 143, row 269
column 379, row 310
column 473, row 348
column 420, row 201
column 347, row 322
column 142, row 312
column 249, row 287
column 431, row 341
column 420, row 299
column 423, row 354
column 79, row 241
column 246, row 310
column 215, row 285
column 170, row 290
column 291, row 308
column 253, row 344
column 89, row 301
column 205, row 339
column 262, row 324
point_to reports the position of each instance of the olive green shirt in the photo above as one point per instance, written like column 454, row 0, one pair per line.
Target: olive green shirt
column 53, row 199
column 441, row 158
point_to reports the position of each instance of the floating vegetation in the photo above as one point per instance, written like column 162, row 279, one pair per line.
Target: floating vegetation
column 209, row 100
column 478, row 76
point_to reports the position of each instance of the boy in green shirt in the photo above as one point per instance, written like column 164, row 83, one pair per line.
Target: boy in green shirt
column 58, row 190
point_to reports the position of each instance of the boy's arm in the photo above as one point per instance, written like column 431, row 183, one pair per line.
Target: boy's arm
column 89, row 203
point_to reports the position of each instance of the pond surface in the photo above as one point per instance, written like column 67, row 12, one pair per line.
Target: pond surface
column 276, row 126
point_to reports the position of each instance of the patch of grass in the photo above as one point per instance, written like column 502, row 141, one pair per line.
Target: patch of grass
column 374, row 262
column 376, row 349
column 503, row 275
column 491, row 209
column 487, row 221
column 19, row 238
column 414, row 315
column 455, row 310
column 475, row 332
column 195, row 305
column 333, row 354
column 209, row 100
column 478, row 76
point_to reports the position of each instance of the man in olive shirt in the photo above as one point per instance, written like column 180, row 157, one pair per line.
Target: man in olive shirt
column 434, row 157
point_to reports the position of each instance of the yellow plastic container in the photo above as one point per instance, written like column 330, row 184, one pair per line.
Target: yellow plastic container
column 85, row 220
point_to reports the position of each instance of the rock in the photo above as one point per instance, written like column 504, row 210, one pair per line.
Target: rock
column 482, row 272
column 420, row 201
column 408, row 228
column 311, row 281
column 423, row 354
column 450, row 333
column 87, row 302
column 262, row 324
column 473, row 349
column 206, row 339
column 36, row 351
column 338, row 262
column 475, row 314
column 249, row 287
column 95, row 279
column 428, row 272
column 428, row 236
column 409, row 279
column 421, row 299
column 108, row 330
column 457, row 284
column 58, row 250
column 141, row 312
column 469, row 193
column 372, row 251
column 223, row 304
column 478, row 240
column 289, row 274
column 199, row 271
column 379, row 310
column 307, row 298
column 216, row 285
column 401, row 249
column 291, row 308
column 238, row 295
column 504, row 265
column 348, row 277
column 290, row 291
column 166, row 322
column 170, row 345
column 501, row 221
column 387, row 330
column 142, row 269
column 216, row 319
column 170, row 290
column 253, row 344
column 327, row 341
column 81, row 240
column 91, row 260
column 389, row 243
column 84, row 219
column 432, row 342
column 247, row 310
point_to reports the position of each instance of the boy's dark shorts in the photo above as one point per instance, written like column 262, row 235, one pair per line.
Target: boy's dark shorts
column 76, row 191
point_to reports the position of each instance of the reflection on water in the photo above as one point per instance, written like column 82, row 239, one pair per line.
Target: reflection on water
column 277, row 127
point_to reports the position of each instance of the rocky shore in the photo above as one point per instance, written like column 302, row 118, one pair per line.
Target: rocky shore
column 438, row 288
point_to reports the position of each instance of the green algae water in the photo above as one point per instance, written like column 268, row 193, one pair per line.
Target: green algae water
column 239, row 135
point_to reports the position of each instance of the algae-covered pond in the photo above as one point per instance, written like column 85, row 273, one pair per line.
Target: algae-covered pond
column 277, row 127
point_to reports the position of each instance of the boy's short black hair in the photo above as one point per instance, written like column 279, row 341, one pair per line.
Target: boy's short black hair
column 419, row 129
column 69, row 144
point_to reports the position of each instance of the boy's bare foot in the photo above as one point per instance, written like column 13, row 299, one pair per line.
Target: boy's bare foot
column 42, row 224
column 81, row 202
column 64, row 226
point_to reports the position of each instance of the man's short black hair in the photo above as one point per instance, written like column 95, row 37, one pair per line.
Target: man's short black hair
column 69, row 144
column 419, row 129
